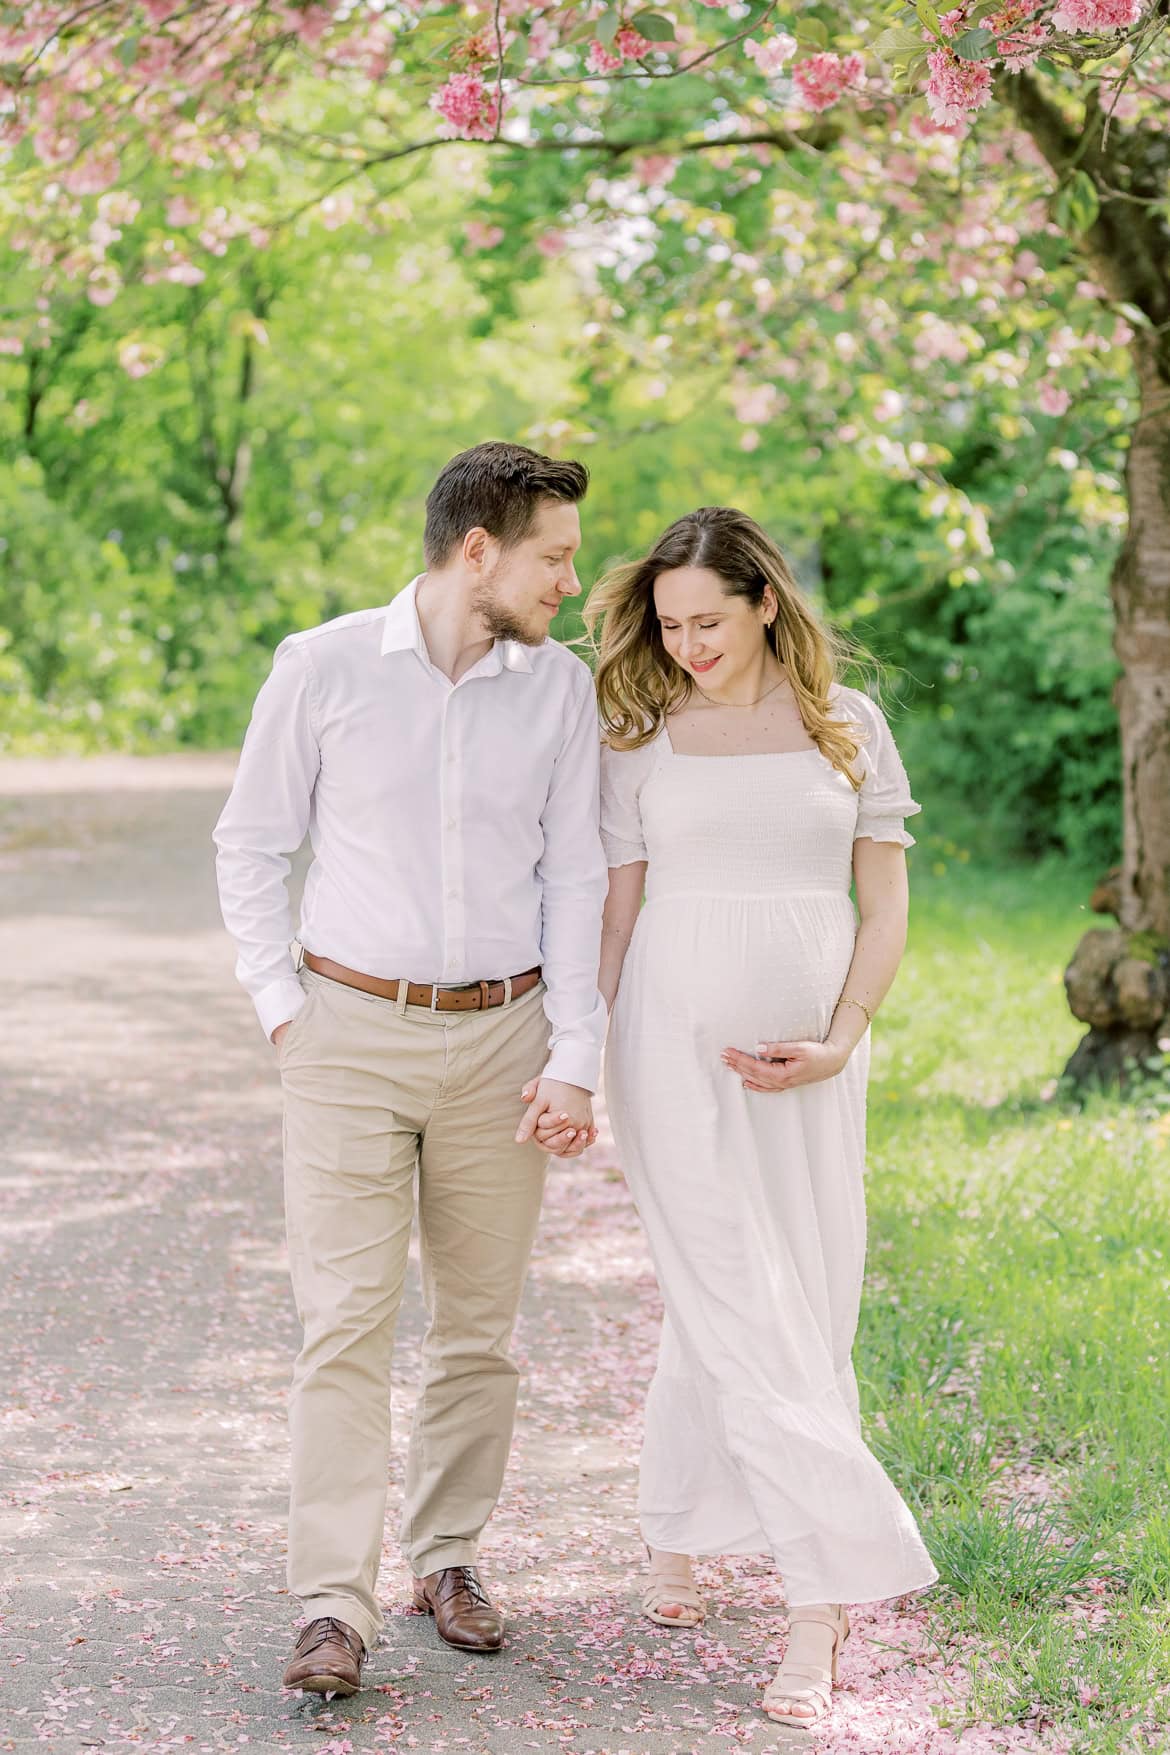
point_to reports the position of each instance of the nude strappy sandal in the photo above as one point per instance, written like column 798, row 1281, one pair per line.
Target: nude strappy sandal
column 807, row 1685
column 669, row 1581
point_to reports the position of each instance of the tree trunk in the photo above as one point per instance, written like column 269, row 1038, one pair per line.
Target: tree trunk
column 1119, row 982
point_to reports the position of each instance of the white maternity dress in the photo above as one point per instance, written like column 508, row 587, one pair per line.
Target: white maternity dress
column 753, row 1203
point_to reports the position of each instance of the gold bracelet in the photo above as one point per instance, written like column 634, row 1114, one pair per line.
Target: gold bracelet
column 860, row 1006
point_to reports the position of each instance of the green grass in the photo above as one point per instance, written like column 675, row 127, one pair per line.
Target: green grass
column 1013, row 1329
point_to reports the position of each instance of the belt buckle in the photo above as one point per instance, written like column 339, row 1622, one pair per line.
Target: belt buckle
column 434, row 996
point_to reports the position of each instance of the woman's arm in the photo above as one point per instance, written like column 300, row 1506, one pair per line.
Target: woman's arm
column 879, row 870
column 883, row 903
column 627, row 885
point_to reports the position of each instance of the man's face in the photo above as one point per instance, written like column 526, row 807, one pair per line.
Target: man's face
column 523, row 587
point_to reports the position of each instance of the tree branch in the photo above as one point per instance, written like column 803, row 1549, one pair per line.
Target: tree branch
column 1128, row 244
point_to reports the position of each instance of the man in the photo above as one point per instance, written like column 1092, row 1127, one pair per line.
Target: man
column 442, row 754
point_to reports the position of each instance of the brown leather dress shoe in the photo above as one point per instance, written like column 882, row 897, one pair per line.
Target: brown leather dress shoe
column 327, row 1658
column 463, row 1612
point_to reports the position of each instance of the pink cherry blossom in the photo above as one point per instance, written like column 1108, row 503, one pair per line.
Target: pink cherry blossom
column 1023, row 47
column 1052, row 398
column 181, row 211
column 104, row 284
column 754, row 404
column 655, row 169
column 155, row 61
column 821, row 80
column 11, row 344
column 309, row 22
column 542, row 40
column 552, row 244
column 773, row 54
column 93, row 174
column 138, row 358
column 118, row 207
column 53, row 148
column 1100, row 17
column 951, row 23
column 1019, row 39
column 955, row 87
column 926, row 128
column 602, row 60
column 183, row 272
column 469, row 108
column 632, row 44
column 481, row 236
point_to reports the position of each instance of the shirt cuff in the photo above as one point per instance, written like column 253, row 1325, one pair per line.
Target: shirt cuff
column 279, row 1003
column 574, row 1063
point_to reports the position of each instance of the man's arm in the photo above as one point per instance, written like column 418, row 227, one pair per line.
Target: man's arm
column 263, row 821
column 573, row 877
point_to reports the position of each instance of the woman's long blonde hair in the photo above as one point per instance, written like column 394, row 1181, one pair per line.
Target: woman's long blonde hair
column 639, row 684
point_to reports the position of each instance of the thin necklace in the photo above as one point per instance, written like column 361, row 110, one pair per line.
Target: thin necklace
column 754, row 703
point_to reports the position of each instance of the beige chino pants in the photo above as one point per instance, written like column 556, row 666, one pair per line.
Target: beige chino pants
column 374, row 1092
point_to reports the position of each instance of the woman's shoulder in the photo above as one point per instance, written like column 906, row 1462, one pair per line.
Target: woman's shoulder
column 855, row 701
column 860, row 710
column 630, row 767
column 655, row 739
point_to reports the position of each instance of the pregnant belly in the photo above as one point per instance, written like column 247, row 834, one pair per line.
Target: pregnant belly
column 738, row 970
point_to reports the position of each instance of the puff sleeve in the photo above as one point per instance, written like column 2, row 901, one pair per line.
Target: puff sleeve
column 884, row 800
column 622, row 775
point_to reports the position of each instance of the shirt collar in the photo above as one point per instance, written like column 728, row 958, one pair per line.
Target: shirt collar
column 402, row 632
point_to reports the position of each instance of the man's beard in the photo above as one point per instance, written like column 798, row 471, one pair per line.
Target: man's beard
column 501, row 623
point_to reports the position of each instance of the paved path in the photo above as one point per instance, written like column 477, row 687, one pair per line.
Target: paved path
column 148, row 1334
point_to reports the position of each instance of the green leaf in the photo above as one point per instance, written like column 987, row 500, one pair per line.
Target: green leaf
column 607, row 28
column 515, row 55
column 1077, row 204
column 1134, row 315
column 128, row 50
column 812, row 31
column 653, row 26
column 907, row 78
column 974, row 45
column 897, row 44
column 443, row 46
column 928, row 17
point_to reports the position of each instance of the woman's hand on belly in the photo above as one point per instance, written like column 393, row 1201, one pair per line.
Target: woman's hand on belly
column 778, row 1066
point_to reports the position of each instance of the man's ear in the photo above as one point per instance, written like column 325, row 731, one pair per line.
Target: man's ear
column 475, row 548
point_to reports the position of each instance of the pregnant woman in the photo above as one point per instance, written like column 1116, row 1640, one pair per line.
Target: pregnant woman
column 744, row 789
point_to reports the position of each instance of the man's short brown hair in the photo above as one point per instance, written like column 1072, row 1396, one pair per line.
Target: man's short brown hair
column 496, row 487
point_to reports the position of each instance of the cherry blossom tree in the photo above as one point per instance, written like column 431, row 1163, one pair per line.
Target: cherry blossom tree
column 732, row 177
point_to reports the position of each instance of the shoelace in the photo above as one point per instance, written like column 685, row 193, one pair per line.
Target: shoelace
column 322, row 1630
column 464, row 1578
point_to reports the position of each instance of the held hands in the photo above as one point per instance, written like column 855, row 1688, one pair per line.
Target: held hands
column 278, row 1034
column 777, row 1066
column 559, row 1118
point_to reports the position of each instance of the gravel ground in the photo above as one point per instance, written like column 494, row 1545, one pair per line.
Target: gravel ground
column 149, row 1333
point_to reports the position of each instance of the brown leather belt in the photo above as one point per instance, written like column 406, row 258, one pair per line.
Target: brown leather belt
column 471, row 996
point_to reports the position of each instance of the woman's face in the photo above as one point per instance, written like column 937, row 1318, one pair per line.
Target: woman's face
column 711, row 632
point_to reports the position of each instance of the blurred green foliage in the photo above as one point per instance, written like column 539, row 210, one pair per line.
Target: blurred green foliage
column 192, row 470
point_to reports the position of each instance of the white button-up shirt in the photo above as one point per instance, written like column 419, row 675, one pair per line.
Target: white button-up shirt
column 454, row 826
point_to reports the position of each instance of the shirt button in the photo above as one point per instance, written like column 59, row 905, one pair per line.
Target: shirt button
column 452, row 822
